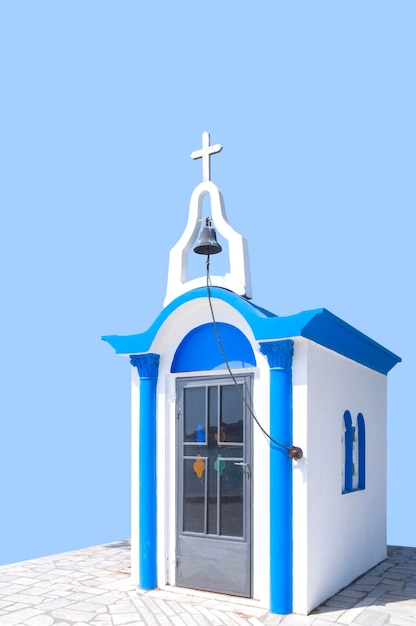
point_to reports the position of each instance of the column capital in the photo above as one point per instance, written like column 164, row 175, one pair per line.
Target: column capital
column 279, row 353
column 147, row 364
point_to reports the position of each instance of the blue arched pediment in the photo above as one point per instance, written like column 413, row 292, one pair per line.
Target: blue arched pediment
column 318, row 325
column 200, row 350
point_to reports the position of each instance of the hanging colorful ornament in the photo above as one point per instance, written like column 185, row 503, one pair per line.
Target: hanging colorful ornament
column 219, row 465
column 223, row 436
column 199, row 466
column 200, row 434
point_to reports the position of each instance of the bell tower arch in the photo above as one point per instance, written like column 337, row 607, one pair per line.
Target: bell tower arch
column 238, row 278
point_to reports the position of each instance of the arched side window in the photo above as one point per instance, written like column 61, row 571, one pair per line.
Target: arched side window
column 361, row 451
column 353, row 454
column 348, row 447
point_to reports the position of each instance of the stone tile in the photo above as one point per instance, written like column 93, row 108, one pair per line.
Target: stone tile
column 178, row 621
column 372, row 618
column 362, row 587
column 367, row 601
column 10, row 589
column 207, row 613
column 381, row 567
column 24, row 580
column 15, row 570
column 224, row 617
column 246, row 610
column 328, row 615
column 201, row 619
column 16, row 606
column 396, row 595
column 87, row 589
column 298, row 620
column 57, row 594
column 178, row 606
column 17, row 617
column 104, row 599
column 409, row 568
column 78, row 596
column 165, row 607
column 351, row 593
column 343, row 602
column 39, row 620
column 394, row 575
column 67, row 613
column 147, row 617
column 84, row 607
column 397, row 620
column 56, row 603
column 35, row 591
column 25, row 598
column 130, row 623
column 367, row 579
column 349, row 616
column 123, row 606
column 272, row 619
column 163, row 620
column 239, row 620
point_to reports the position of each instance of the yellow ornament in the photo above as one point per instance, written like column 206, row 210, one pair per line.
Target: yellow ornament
column 199, row 466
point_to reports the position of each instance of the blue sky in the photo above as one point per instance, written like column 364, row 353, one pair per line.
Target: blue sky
column 101, row 105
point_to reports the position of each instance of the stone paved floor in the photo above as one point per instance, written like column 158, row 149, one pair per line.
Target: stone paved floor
column 92, row 586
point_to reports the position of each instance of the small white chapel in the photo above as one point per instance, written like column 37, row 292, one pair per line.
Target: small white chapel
column 258, row 441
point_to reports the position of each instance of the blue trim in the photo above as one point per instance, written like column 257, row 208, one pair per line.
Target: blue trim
column 361, row 450
column 318, row 325
column 199, row 350
column 147, row 365
column 279, row 355
column 348, row 443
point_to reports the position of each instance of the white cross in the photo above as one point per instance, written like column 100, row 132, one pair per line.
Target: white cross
column 205, row 155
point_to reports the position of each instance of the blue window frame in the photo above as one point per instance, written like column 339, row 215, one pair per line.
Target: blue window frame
column 354, row 453
column 361, row 451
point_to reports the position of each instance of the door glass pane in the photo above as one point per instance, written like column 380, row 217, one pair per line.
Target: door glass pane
column 212, row 478
column 232, row 425
column 194, row 477
column 194, row 423
column 212, row 415
column 232, row 501
column 213, row 441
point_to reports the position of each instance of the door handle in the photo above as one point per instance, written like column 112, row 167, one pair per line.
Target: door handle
column 245, row 467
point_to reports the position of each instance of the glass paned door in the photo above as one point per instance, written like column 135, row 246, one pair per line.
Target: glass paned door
column 214, row 496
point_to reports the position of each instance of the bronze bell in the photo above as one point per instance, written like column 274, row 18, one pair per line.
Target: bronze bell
column 207, row 242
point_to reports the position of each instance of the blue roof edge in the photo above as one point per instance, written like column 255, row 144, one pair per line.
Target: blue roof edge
column 318, row 325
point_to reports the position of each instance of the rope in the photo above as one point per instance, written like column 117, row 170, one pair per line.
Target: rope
column 294, row 452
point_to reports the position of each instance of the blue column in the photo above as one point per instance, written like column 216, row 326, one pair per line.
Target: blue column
column 147, row 366
column 279, row 355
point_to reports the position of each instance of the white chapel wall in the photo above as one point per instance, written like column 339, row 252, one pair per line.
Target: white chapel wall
column 300, row 468
column 134, row 500
column 346, row 533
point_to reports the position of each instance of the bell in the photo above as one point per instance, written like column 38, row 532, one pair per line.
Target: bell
column 207, row 243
